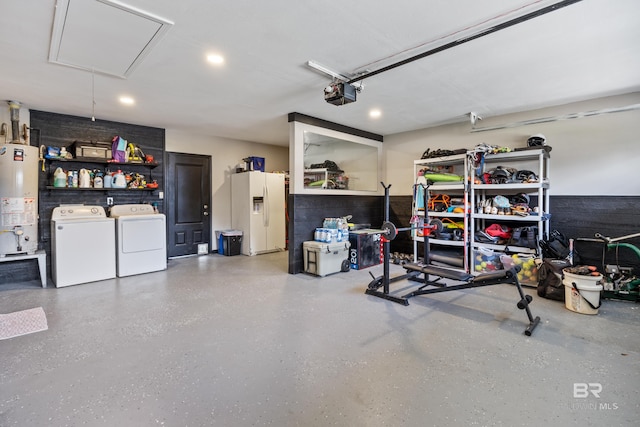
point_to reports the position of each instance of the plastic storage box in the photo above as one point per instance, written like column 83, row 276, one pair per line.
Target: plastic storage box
column 325, row 258
column 254, row 163
column 92, row 150
column 528, row 275
column 486, row 260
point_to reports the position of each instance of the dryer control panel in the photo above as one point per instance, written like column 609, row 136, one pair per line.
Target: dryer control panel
column 126, row 210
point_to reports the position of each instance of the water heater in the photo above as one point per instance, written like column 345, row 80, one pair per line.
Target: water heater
column 18, row 199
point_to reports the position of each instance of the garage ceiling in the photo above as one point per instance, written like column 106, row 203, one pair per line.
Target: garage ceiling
column 585, row 50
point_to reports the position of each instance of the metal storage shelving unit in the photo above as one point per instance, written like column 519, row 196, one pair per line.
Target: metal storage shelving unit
column 455, row 190
column 537, row 161
column 473, row 195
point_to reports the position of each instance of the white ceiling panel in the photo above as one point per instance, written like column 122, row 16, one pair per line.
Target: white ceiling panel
column 104, row 36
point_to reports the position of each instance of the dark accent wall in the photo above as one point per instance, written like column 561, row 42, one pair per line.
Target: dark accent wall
column 574, row 216
column 307, row 212
column 400, row 213
column 52, row 129
column 613, row 216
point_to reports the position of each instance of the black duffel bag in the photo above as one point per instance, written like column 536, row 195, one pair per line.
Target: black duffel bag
column 550, row 279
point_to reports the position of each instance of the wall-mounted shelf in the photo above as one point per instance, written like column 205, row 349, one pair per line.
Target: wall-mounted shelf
column 51, row 187
column 102, row 162
column 127, row 166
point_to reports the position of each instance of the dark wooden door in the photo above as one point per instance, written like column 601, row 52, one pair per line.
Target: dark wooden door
column 188, row 184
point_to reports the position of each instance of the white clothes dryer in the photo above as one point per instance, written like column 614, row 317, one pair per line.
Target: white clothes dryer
column 141, row 239
column 82, row 245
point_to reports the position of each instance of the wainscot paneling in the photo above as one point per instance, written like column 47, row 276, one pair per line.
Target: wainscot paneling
column 400, row 213
column 575, row 216
column 307, row 212
column 582, row 216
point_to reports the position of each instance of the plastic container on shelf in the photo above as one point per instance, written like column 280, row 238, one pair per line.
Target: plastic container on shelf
column 59, row 178
column 254, row 163
column 528, row 274
column 486, row 260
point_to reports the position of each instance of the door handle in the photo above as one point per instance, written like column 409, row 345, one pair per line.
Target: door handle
column 205, row 213
column 265, row 191
column 205, row 207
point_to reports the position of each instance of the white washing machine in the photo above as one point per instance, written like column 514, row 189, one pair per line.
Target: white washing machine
column 141, row 239
column 83, row 247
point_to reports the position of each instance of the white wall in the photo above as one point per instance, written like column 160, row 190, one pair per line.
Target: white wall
column 225, row 155
column 598, row 155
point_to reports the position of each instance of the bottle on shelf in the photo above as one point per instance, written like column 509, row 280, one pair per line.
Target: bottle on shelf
column 98, row 181
column 107, row 180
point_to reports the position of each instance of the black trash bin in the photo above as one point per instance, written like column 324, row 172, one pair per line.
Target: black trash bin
column 231, row 242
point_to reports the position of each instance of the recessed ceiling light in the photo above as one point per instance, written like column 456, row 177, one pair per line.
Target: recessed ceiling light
column 215, row 59
column 127, row 100
column 374, row 114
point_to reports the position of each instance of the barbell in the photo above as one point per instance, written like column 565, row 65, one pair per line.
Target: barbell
column 390, row 230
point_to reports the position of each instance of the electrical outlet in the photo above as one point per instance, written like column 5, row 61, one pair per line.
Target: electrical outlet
column 160, row 195
column 109, row 201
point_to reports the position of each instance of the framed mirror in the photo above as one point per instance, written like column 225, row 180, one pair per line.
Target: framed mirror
column 325, row 161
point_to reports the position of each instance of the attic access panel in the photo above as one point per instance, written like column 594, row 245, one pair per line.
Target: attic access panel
column 103, row 36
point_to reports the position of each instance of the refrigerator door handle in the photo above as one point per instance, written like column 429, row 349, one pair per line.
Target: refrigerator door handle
column 265, row 192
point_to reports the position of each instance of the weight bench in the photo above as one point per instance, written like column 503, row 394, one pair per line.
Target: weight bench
column 421, row 273
column 415, row 270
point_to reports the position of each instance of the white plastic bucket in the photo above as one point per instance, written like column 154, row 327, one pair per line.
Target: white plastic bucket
column 582, row 293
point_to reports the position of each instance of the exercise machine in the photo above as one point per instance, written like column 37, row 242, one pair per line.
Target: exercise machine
column 422, row 272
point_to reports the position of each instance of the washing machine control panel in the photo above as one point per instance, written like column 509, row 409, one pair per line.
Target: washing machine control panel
column 79, row 211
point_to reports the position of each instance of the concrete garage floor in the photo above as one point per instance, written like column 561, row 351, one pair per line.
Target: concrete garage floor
column 236, row 341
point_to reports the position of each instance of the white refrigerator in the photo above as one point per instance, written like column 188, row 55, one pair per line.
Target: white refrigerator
column 258, row 209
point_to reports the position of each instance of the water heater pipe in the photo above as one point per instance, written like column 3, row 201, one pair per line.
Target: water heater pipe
column 14, row 109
